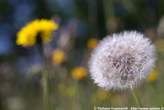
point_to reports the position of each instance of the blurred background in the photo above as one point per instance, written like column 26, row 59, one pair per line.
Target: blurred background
column 82, row 23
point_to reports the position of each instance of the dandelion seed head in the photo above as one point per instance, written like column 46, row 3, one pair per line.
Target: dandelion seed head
column 122, row 60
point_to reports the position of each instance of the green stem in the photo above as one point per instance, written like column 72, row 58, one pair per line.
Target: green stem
column 136, row 98
column 46, row 103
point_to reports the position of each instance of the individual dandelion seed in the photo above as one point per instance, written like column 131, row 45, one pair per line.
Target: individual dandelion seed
column 122, row 60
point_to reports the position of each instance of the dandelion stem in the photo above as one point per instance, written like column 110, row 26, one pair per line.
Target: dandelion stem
column 45, row 94
column 136, row 98
column 45, row 90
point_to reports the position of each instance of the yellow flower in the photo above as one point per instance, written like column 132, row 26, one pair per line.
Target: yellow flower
column 58, row 56
column 103, row 95
column 92, row 43
column 27, row 36
column 153, row 75
column 79, row 73
column 100, row 96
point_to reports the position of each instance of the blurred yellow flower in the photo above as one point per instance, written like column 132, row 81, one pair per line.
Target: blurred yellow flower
column 103, row 95
column 153, row 75
column 28, row 34
column 100, row 96
column 58, row 56
column 79, row 73
column 92, row 43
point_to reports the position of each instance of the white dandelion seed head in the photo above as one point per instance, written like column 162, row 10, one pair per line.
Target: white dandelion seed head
column 122, row 60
